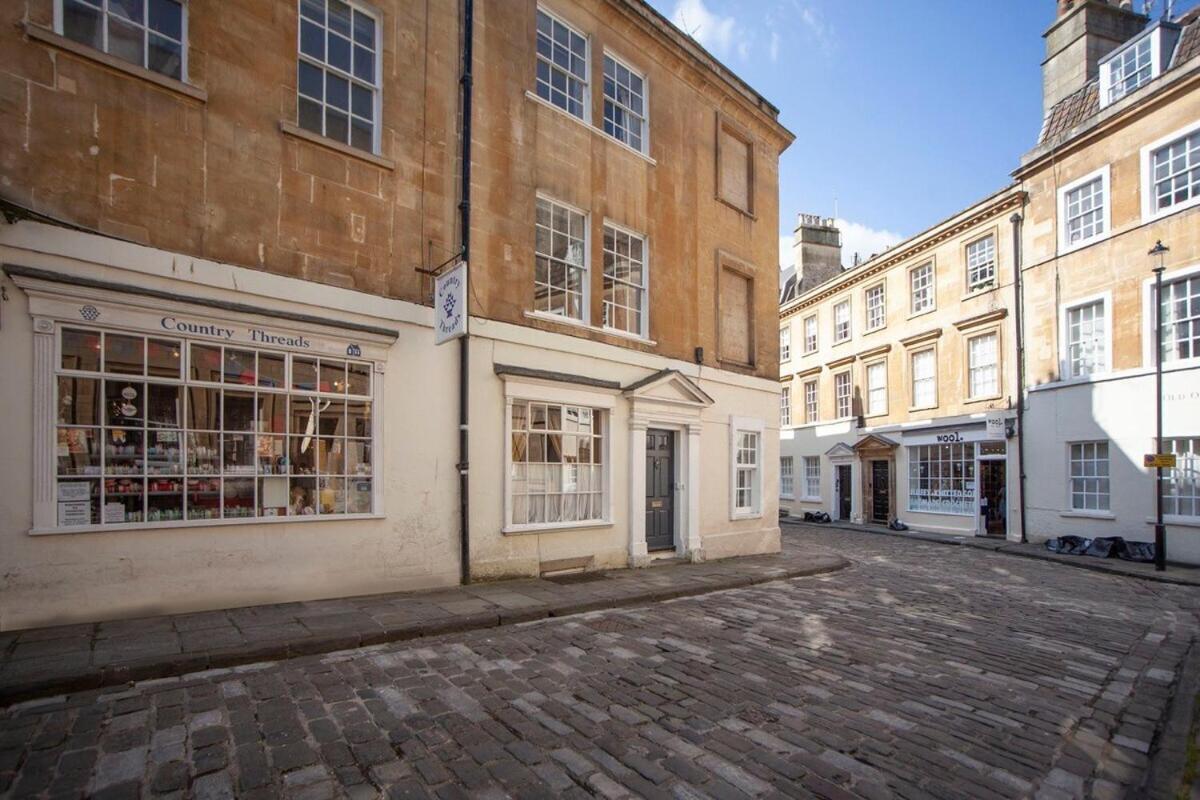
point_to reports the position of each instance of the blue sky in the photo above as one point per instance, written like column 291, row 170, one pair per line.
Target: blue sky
column 904, row 111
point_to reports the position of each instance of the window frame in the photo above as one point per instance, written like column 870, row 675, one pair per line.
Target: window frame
column 812, row 402
column 1103, row 174
column 807, row 477
column 756, row 427
column 997, row 365
column 913, row 311
column 586, row 102
column 1149, row 297
column 785, row 405
column 1106, row 510
column 644, row 289
column 1065, row 370
column 586, row 299
column 994, row 281
column 787, row 472
column 867, row 366
column 326, row 68
column 867, row 309
column 843, row 301
column 785, row 343
column 912, row 378
column 1152, row 37
column 1149, row 212
column 59, row 28
column 644, row 117
column 965, row 454
column 1171, row 445
column 184, row 381
column 816, row 334
column 845, row 373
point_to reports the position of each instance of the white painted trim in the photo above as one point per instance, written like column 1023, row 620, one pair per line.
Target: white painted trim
column 1064, row 356
column 749, row 425
column 1149, row 213
column 627, row 64
column 804, row 333
column 1148, row 298
column 1103, row 174
column 587, row 62
column 644, row 333
column 145, row 25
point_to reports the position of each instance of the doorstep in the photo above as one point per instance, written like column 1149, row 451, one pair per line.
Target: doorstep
column 1180, row 574
column 45, row 661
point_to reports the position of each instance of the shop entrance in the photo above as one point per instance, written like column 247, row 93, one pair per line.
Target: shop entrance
column 993, row 497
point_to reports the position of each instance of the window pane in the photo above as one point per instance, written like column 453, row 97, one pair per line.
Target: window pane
column 123, row 403
column 125, row 41
column 337, row 125
column 205, row 361
column 78, row 451
column 166, row 17
column 312, row 40
column 238, row 498
column 124, row 354
column 82, row 23
column 126, row 9
column 165, row 57
column 358, row 378
column 304, row 373
column 78, row 401
column 271, row 370
column 80, row 350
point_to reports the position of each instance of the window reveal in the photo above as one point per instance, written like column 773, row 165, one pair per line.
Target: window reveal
column 158, row 429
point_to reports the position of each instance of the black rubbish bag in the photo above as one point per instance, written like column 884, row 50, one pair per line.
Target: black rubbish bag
column 1106, row 547
column 1068, row 545
column 1138, row 551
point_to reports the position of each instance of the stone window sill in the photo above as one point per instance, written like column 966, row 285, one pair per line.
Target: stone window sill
column 291, row 129
column 47, row 36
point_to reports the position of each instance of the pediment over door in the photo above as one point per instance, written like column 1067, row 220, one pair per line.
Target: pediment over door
column 671, row 387
column 841, row 450
column 873, row 443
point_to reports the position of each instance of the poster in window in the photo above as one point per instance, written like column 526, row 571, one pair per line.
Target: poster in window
column 74, row 512
column 74, row 490
column 114, row 512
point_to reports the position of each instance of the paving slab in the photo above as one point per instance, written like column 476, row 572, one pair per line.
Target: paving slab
column 42, row 661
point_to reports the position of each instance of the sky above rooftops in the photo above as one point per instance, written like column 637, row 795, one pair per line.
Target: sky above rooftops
column 905, row 111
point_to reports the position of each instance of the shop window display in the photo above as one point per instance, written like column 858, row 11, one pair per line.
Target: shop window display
column 159, row 430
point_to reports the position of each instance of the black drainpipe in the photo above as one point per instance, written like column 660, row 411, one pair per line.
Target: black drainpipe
column 1016, row 220
column 464, row 352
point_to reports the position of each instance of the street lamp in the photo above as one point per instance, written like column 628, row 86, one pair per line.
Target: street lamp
column 1160, row 532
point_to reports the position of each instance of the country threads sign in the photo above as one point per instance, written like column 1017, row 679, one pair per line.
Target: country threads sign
column 450, row 304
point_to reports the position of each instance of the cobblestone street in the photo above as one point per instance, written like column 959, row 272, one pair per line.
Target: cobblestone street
column 920, row 671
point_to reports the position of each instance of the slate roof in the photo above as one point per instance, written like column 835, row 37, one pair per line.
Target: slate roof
column 1079, row 106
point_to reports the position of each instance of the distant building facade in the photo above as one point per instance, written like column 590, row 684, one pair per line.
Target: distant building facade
column 218, row 238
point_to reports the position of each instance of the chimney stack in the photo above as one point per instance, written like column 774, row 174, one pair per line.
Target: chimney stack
column 817, row 245
column 1084, row 31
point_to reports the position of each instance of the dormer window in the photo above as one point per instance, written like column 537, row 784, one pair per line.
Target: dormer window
column 1137, row 63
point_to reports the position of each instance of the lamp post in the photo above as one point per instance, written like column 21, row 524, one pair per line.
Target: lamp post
column 1160, row 532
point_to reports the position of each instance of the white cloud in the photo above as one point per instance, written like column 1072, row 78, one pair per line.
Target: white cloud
column 773, row 49
column 720, row 35
column 856, row 238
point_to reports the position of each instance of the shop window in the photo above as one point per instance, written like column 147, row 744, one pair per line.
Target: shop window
column 338, row 72
column 1181, row 485
column 941, row 478
column 1181, row 319
column 556, row 459
column 146, row 33
column 1089, row 476
column 163, row 429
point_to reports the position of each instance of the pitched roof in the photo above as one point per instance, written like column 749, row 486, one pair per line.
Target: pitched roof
column 1082, row 104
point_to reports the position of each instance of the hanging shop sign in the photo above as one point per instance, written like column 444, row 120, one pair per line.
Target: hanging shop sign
column 996, row 426
column 450, row 304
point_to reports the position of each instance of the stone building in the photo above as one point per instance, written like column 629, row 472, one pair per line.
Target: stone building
column 218, row 237
column 896, row 368
column 1115, row 170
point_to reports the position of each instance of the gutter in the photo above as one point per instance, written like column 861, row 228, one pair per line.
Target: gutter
column 464, row 346
column 1018, row 301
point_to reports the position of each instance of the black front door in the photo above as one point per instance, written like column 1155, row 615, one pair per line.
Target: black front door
column 660, row 497
column 843, row 491
column 993, row 500
column 880, row 491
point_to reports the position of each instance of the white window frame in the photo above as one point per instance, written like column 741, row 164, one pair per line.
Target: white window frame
column 849, row 321
column 814, row 338
column 812, row 401
column 1108, row 93
column 1064, row 243
column 1101, row 497
column 1065, row 369
column 184, row 381
column 787, row 478
column 812, row 478
column 1148, row 300
column 327, row 68
column 957, row 502
column 645, row 115
column 931, row 288
column 785, row 405
column 868, row 308
column 586, row 301
column 586, row 103
column 518, row 391
column 914, row 405
column 995, row 366
column 643, row 291
column 993, row 280
column 737, row 426
column 102, row 6
column 1149, row 212
column 785, row 343
column 849, row 395
column 1188, row 460
column 872, row 410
